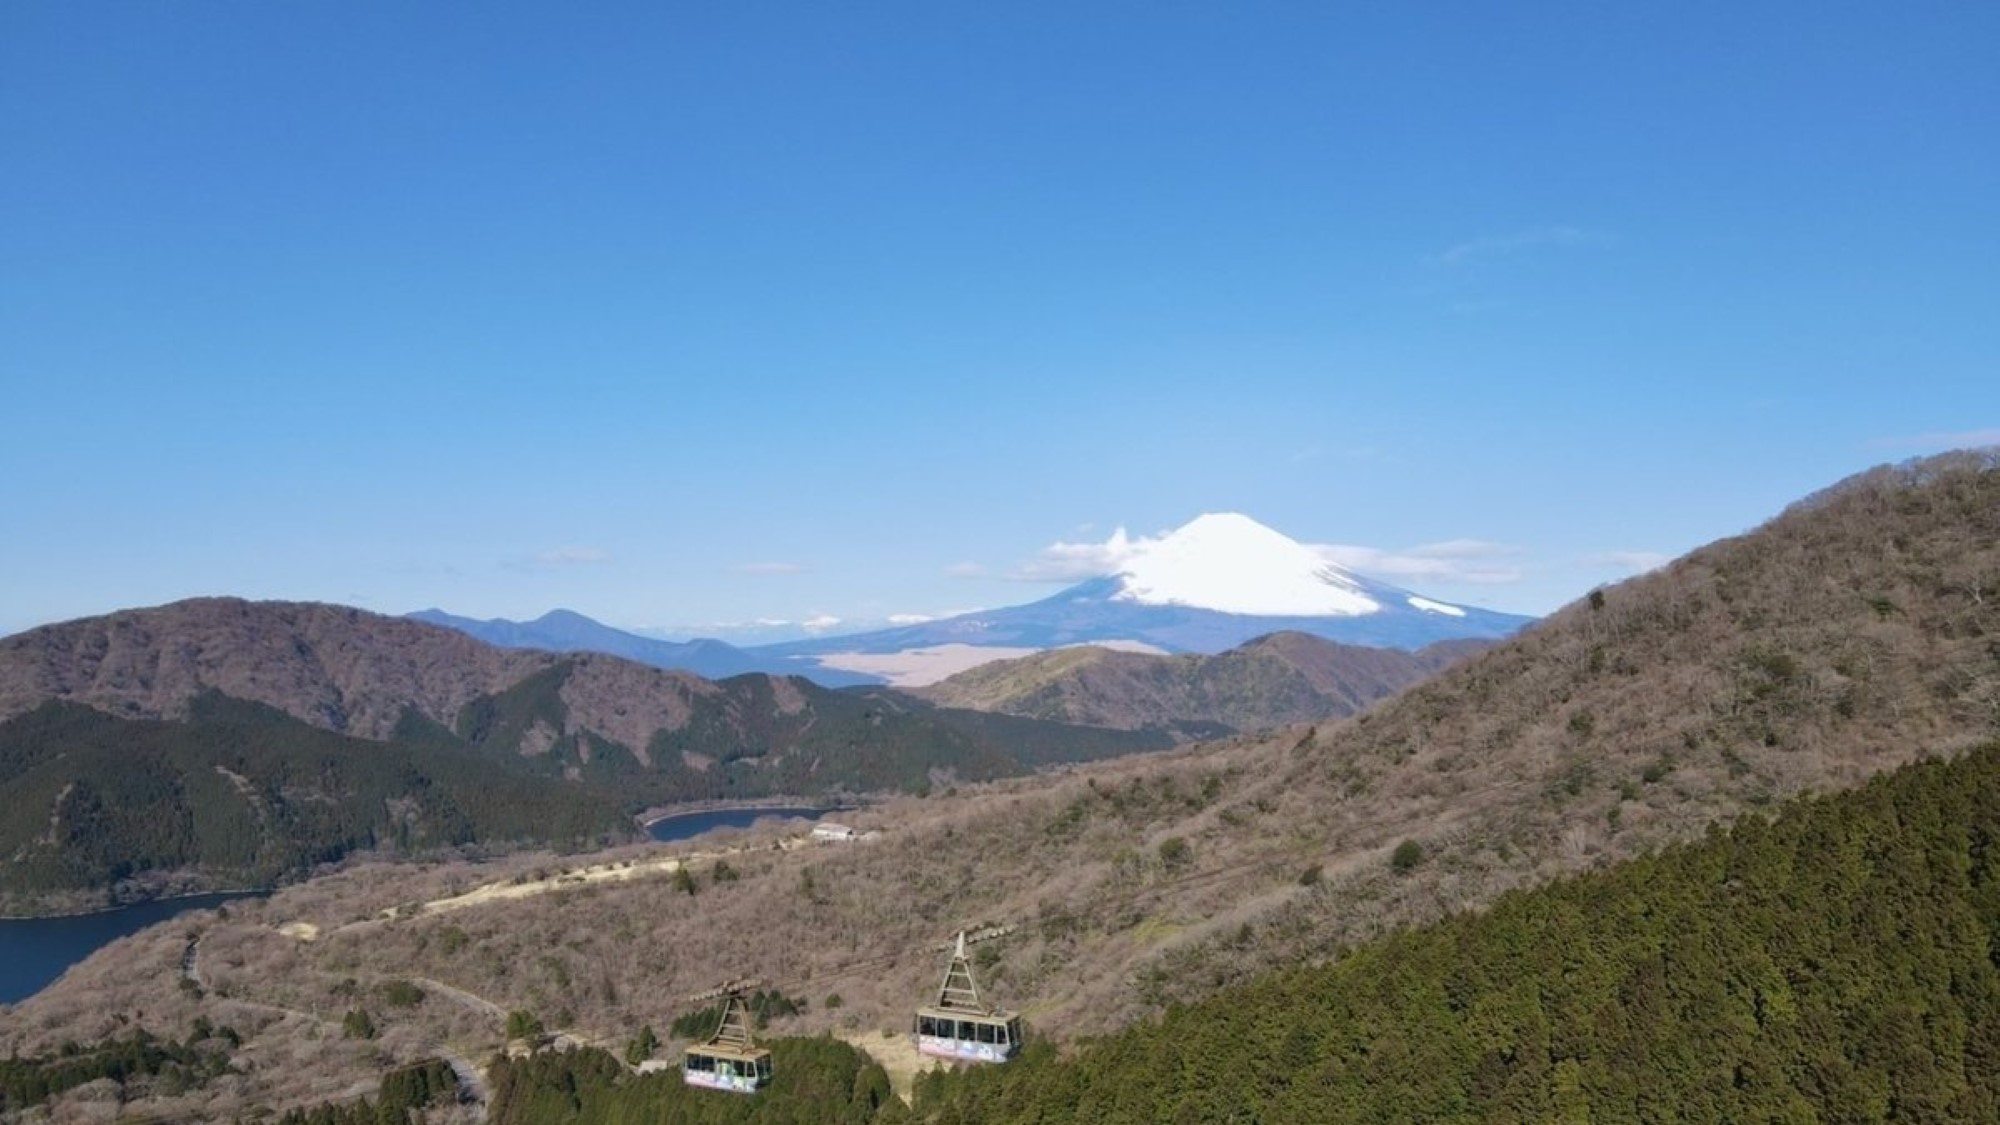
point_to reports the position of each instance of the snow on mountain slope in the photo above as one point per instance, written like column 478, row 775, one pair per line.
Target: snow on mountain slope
column 1429, row 606
column 1230, row 563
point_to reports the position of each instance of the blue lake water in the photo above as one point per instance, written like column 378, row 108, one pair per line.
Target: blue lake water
column 35, row 951
column 686, row 826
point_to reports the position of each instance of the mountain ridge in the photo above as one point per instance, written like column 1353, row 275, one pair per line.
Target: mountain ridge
column 1269, row 681
column 564, row 630
column 300, row 657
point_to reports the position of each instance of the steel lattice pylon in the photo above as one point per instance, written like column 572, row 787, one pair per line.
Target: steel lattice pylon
column 959, row 991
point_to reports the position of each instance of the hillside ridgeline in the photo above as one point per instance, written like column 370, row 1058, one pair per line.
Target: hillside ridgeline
column 1273, row 681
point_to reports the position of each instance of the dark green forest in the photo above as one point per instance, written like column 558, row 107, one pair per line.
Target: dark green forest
column 245, row 794
column 417, row 1087
column 242, row 794
column 835, row 742
column 1837, row 963
column 167, row 1064
column 817, row 1082
column 763, row 1004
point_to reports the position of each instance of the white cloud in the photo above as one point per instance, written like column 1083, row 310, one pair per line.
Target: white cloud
column 768, row 568
column 1631, row 562
column 1515, row 242
column 910, row 618
column 965, row 570
column 1938, row 442
column 819, row 623
column 1074, row 562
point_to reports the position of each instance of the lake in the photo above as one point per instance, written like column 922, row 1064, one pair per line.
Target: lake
column 35, row 951
column 686, row 826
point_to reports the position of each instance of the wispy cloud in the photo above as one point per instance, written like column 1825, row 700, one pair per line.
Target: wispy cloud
column 730, row 626
column 768, row 568
column 910, row 618
column 1455, row 560
column 1631, row 562
column 1938, row 442
column 559, row 558
column 1516, row 242
column 965, row 570
column 1476, row 561
column 819, row 623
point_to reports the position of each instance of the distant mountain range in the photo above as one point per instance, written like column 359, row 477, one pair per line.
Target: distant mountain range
column 564, row 630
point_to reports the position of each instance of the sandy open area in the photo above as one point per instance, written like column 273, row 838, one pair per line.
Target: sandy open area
column 917, row 667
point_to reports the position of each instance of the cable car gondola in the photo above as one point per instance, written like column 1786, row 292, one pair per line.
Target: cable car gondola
column 959, row 1025
column 730, row 1059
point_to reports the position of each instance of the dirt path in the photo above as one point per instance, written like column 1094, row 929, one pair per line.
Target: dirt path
column 897, row 1054
column 471, row 1000
column 582, row 876
column 510, row 890
column 472, row 1080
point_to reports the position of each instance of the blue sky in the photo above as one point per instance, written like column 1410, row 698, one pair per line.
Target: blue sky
column 682, row 314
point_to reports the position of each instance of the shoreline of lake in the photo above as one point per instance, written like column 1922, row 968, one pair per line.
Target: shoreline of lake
column 232, row 892
column 36, row 949
column 731, row 816
column 654, row 815
column 36, row 952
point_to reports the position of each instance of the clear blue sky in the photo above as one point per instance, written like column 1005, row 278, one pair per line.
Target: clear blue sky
column 681, row 314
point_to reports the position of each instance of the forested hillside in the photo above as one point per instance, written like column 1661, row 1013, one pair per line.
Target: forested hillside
column 758, row 736
column 239, row 794
column 1835, row 963
column 335, row 667
column 817, row 1082
column 218, row 742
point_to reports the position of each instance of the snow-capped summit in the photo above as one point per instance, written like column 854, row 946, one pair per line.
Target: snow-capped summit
column 1230, row 563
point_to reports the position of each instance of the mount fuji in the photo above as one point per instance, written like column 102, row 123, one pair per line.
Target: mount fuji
column 1211, row 585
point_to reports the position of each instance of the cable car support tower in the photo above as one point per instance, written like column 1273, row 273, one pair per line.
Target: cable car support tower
column 730, row 1059
column 960, row 1025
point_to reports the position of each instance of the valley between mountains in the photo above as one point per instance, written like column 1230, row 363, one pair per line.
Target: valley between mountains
column 1158, row 829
